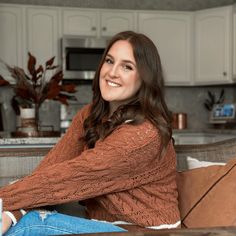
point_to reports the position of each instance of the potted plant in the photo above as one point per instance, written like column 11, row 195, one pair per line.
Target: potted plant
column 33, row 88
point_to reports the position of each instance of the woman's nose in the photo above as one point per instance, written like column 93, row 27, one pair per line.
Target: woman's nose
column 113, row 72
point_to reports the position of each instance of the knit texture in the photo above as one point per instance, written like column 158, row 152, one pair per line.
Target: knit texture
column 122, row 178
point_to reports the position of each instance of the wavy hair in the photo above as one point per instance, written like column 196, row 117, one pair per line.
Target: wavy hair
column 148, row 103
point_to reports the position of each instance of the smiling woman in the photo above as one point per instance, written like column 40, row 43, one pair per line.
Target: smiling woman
column 117, row 157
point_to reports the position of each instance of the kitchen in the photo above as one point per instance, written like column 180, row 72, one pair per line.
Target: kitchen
column 179, row 26
column 187, row 89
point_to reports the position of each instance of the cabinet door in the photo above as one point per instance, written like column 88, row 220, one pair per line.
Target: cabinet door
column 43, row 33
column 172, row 35
column 11, row 35
column 213, row 46
column 80, row 22
column 113, row 22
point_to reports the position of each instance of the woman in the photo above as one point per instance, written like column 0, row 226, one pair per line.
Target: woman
column 117, row 157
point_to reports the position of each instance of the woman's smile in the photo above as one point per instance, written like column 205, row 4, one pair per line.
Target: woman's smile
column 113, row 84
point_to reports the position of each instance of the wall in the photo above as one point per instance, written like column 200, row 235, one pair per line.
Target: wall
column 191, row 101
column 181, row 5
column 8, row 115
column 49, row 112
column 179, row 99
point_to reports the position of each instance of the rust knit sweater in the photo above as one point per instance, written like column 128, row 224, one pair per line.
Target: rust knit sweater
column 122, row 178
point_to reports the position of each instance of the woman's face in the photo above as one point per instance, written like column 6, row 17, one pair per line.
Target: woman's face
column 119, row 80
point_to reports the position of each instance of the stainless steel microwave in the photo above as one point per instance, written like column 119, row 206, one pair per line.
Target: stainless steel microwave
column 81, row 56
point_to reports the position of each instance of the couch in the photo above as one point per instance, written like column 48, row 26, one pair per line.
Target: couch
column 206, row 194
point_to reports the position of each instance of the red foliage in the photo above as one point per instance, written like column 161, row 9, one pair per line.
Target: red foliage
column 3, row 82
column 37, row 87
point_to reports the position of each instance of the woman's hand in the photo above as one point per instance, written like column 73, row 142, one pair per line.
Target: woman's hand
column 6, row 222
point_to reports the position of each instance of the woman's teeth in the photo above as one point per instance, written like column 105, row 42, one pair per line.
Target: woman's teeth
column 113, row 84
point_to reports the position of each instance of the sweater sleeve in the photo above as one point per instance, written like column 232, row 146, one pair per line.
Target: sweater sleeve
column 115, row 164
column 62, row 151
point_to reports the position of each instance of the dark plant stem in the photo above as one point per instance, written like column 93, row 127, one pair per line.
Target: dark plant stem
column 37, row 116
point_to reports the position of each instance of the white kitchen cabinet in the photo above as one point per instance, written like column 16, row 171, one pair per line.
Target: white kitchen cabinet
column 80, row 22
column 11, row 34
column 213, row 46
column 97, row 22
column 196, row 48
column 234, row 41
column 172, row 34
column 43, row 33
column 113, row 22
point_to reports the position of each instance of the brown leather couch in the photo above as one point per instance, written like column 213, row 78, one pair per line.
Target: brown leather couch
column 207, row 195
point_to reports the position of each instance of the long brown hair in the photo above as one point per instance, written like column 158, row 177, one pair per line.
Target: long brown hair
column 148, row 103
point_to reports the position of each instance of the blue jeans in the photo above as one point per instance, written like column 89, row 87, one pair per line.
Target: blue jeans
column 38, row 223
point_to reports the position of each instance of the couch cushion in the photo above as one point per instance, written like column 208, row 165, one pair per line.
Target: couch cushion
column 207, row 196
column 195, row 163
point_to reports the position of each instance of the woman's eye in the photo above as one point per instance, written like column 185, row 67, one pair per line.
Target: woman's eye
column 108, row 61
column 127, row 67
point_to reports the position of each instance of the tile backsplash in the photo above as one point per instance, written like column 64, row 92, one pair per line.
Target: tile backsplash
column 189, row 100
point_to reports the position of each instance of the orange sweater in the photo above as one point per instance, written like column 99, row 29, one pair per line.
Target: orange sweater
column 121, row 178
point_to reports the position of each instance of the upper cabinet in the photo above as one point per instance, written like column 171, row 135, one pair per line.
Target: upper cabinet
column 113, row 22
column 97, row 22
column 213, row 46
column 43, row 33
column 26, row 29
column 234, row 41
column 171, row 32
column 11, row 34
column 196, row 48
column 80, row 22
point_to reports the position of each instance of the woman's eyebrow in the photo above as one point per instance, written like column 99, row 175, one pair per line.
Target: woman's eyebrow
column 131, row 62
column 125, row 60
column 109, row 55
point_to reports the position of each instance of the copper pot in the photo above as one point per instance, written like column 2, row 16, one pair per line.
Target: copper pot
column 179, row 121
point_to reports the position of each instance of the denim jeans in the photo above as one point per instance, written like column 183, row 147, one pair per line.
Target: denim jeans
column 42, row 223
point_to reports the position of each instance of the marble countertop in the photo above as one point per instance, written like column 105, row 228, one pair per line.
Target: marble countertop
column 51, row 141
column 205, row 131
column 28, row 142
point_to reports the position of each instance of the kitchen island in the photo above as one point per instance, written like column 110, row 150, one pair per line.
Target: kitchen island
column 28, row 142
column 19, row 156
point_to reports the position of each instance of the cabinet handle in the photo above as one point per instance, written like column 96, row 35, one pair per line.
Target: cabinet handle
column 224, row 73
column 93, row 28
column 104, row 28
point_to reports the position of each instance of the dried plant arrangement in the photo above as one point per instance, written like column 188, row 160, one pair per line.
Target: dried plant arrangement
column 33, row 88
